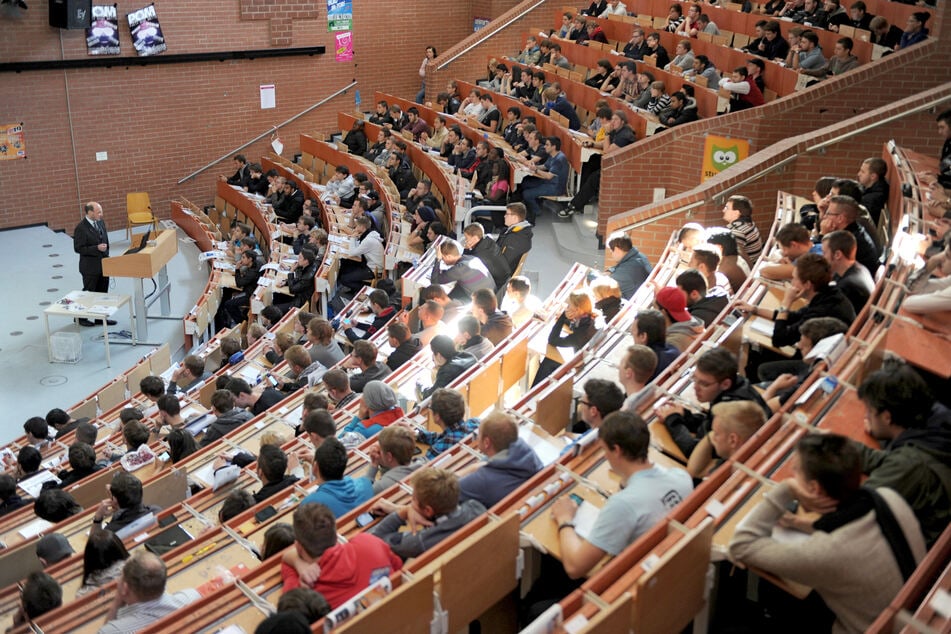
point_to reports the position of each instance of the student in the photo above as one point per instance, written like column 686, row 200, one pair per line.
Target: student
column 339, row 492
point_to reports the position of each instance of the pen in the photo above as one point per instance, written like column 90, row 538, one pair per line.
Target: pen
column 199, row 552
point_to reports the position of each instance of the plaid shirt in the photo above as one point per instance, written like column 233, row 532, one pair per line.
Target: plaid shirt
column 440, row 442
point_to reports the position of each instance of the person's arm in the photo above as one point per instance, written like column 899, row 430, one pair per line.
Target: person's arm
column 700, row 458
column 403, row 544
column 740, row 87
column 577, row 555
column 555, row 338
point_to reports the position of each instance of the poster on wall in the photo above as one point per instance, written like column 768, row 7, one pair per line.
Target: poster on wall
column 146, row 31
column 720, row 152
column 339, row 15
column 12, row 145
column 480, row 23
column 102, row 36
column 343, row 47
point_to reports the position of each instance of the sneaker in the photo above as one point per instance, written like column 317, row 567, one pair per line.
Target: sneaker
column 567, row 212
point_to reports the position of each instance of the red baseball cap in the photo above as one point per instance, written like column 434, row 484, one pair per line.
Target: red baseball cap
column 674, row 301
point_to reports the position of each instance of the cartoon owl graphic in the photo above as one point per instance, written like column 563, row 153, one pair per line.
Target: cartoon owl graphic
column 724, row 157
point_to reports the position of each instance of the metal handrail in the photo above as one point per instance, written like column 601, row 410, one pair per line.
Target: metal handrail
column 483, row 38
column 297, row 116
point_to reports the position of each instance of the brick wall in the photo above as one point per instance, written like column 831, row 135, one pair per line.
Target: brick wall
column 160, row 123
column 790, row 165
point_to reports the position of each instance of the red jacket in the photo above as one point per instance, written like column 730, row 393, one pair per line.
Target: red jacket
column 755, row 95
column 347, row 569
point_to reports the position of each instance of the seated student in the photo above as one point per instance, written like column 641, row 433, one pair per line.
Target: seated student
column 601, row 397
column 516, row 240
column 607, row 295
column 56, row 505
column 382, row 311
column 915, row 432
column 794, row 241
column 715, row 380
column 682, row 327
column 574, row 328
column 659, row 99
column 271, row 469
column 884, row 34
column 850, row 277
column 364, row 358
column 82, row 462
column 435, row 506
column 40, row 594
column 450, row 363
column 449, row 412
column 811, row 281
column 124, row 503
column 103, row 560
column 378, row 408
column 337, row 570
column 931, row 295
column 52, row 549
column 650, row 329
column 303, row 372
column 29, row 460
column 705, row 258
column 487, row 251
column 875, row 188
column 744, row 93
column 256, row 400
column 681, row 109
column 468, row 272
column 391, row 458
column 738, row 212
column 62, row 422
column 519, row 302
column 858, row 553
column 648, row 494
column 811, row 333
column 10, row 500
column 37, row 432
column 635, row 372
column 496, row 325
column 236, row 503
column 699, row 304
column 510, row 461
column 302, row 601
column 339, row 492
column 731, row 265
column 404, row 344
column 228, row 417
column 843, row 213
column 323, row 347
column 632, row 268
column 551, row 179
column 470, row 340
column 432, row 320
column 734, row 422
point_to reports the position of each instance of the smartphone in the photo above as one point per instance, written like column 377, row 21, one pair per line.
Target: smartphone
column 272, row 380
column 265, row 514
column 577, row 498
column 364, row 519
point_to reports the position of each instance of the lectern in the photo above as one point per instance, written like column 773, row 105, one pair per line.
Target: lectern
column 148, row 262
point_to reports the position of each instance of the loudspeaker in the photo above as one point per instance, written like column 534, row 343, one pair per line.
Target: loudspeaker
column 70, row 14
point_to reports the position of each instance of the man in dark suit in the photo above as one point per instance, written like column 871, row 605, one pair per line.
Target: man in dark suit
column 91, row 242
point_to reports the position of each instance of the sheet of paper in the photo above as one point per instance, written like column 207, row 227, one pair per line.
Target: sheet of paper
column 547, row 452
column 762, row 326
column 585, row 518
column 34, row 528
column 34, row 484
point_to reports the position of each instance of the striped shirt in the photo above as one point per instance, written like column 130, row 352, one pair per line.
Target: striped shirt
column 747, row 239
column 132, row 618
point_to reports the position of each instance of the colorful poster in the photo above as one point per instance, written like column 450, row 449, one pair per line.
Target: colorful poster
column 12, row 145
column 480, row 23
column 146, row 31
column 343, row 47
column 339, row 15
column 102, row 36
column 720, row 152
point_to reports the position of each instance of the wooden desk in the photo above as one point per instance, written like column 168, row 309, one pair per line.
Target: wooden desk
column 89, row 305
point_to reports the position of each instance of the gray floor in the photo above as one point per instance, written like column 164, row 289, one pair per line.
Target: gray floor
column 41, row 268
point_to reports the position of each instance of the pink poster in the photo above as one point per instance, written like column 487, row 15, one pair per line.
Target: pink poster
column 343, row 49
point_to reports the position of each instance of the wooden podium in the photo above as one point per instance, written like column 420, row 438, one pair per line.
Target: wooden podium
column 148, row 262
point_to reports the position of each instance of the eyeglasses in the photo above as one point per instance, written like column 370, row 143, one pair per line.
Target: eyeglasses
column 704, row 384
column 585, row 403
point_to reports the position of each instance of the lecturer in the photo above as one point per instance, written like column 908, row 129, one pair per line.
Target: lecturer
column 91, row 242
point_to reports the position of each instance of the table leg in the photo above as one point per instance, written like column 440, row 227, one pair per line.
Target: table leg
column 135, row 335
column 49, row 346
column 105, row 340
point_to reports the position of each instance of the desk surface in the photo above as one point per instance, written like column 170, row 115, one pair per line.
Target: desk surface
column 87, row 304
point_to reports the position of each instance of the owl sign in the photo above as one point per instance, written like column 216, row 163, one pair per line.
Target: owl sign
column 720, row 153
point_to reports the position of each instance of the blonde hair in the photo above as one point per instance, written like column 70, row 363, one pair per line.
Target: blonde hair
column 581, row 300
column 437, row 489
column 742, row 418
column 604, row 286
column 272, row 438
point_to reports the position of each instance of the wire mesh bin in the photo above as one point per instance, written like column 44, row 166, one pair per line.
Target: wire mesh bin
column 67, row 347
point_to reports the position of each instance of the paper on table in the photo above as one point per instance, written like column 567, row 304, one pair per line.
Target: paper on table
column 585, row 518
column 205, row 474
column 546, row 451
column 34, row 484
column 271, row 266
column 34, row 528
column 762, row 326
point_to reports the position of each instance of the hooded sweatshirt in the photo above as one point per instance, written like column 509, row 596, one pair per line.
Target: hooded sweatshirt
column 501, row 474
column 375, row 424
column 347, row 569
column 915, row 465
column 682, row 333
column 341, row 496
column 225, row 424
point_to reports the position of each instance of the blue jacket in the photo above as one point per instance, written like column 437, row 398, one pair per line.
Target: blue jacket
column 341, row 496
column 501, row 474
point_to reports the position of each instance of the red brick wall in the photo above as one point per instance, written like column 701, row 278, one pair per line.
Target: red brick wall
column 842, row 158
column 160, row 123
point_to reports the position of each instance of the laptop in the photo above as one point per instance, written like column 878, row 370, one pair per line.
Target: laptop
column 144, row 242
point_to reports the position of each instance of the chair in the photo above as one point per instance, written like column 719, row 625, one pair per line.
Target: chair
column 138, row 209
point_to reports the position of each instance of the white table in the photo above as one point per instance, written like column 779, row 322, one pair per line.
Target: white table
column 92, row 306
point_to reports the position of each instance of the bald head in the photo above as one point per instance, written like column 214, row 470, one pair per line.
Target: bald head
column 144, row 575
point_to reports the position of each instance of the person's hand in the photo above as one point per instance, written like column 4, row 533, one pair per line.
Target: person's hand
column 308, row 573
column 785, row 381
column 792, row 294
column 668, row 409
column 746, row 307
column 105, row 509
column 383, row 507
column 563, row 510
column 102, row 247
column 796, row 522
column 415, row 520
column 374, row 453
column 817, row 503
column 221, row 460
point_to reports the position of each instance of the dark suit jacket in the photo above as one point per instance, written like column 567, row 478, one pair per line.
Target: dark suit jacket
column 85, row 242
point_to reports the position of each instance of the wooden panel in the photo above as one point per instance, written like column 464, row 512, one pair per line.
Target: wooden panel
column 111, row 395
column 87, row 409
column 553, row 409
column 415, row 612
column 161, row 359
column 484, row 388
column 514, row 363
column 168, row 490
column 615, row 618
column 92, row 490
column 479, row 572
column 136, row 375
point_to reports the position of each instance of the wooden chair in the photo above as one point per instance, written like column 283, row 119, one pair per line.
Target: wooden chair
column 138, row 209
